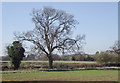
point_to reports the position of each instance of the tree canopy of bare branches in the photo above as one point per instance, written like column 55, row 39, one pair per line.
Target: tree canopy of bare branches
column 52, row 32
column 116, row 47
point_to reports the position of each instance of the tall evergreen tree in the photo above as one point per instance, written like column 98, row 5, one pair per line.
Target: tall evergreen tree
column 16, row 54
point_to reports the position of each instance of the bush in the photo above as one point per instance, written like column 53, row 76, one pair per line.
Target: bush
column 107, row 57
column 16, row 54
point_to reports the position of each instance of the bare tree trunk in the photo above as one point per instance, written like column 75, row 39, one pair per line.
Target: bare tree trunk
column 50, row 63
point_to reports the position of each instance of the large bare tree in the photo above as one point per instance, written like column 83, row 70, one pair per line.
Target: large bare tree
column 52, row 32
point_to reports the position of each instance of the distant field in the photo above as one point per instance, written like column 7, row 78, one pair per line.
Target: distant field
column 59, row 61
column 36, row 65
column 81, row 75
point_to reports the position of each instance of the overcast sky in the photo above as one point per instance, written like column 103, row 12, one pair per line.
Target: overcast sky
column 97, row 20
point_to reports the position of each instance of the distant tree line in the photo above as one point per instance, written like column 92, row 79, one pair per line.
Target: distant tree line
column 74, row 57
column 107, row 57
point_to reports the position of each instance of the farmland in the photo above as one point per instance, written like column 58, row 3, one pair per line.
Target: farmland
column 38, row 65
column 81, row 75
column 38, row 71
column 57, row 65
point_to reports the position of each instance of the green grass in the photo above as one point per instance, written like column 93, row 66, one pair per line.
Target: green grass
column 81, row 75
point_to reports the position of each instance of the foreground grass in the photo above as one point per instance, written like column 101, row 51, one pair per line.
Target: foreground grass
column 81, row 75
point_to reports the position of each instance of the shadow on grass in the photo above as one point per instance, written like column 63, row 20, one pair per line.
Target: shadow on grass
column 59, row 82
column 56, row 70
column 61, row 70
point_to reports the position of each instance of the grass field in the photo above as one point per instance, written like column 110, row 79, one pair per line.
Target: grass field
column 81, row 75
column 63, row 74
